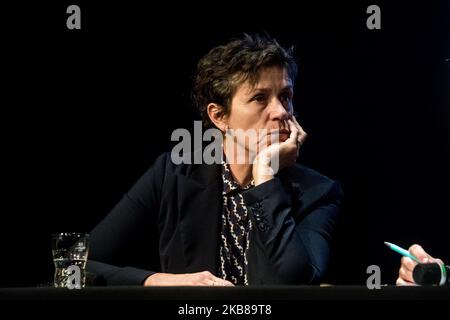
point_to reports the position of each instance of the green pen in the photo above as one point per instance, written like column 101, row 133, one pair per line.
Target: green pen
column 402, row 251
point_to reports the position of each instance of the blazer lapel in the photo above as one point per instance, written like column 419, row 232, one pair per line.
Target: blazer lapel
column 200, row 212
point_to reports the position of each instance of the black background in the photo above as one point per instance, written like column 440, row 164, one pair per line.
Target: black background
column 85, row 113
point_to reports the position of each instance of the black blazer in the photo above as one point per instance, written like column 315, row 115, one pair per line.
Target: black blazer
column 169, row 221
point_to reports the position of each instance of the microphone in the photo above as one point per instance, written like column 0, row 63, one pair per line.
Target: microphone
column 431, row 274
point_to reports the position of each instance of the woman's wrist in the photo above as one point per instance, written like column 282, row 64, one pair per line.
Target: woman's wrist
column 262, row 173
column 153, row 279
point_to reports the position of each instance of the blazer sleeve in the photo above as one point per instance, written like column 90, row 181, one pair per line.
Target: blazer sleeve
column 125, row 236
column 285, row 250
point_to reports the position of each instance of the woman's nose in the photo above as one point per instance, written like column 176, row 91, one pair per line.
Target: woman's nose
column 279, row 111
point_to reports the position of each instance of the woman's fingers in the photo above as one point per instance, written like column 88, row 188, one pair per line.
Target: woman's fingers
column 302, row 134
column 419, row 253
column 211, row 280
column 224, row 283
column 293, row 137
column 402, row 282
column 405, row 274
column 408, row 264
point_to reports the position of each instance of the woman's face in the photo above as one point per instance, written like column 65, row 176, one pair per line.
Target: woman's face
column 267, row 105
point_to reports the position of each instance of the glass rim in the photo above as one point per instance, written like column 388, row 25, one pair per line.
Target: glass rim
column 70, row 234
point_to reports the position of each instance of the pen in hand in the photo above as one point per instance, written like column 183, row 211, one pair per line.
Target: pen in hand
column 402, row 251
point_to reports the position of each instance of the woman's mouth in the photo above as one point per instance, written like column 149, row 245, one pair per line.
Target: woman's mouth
column 283, row 134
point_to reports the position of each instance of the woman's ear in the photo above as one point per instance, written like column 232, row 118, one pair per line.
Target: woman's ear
column 216, row 115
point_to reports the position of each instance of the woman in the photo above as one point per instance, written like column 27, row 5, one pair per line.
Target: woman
column 237, row 222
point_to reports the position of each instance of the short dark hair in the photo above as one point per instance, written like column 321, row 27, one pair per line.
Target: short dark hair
column 225, row 67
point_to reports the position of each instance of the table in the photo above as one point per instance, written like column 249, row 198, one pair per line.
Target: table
column 265, row 302
column 267, row 293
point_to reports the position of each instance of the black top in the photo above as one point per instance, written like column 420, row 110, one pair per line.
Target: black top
column 170, row 221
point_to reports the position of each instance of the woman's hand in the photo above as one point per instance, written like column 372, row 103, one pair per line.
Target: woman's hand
column 204, row 278
column 405, row 274
column 287, row 153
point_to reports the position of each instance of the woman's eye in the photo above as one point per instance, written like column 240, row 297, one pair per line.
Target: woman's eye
column 286, row 97
column 259, row 98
